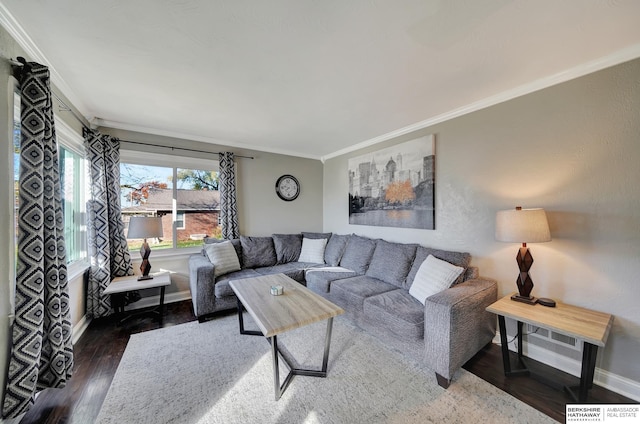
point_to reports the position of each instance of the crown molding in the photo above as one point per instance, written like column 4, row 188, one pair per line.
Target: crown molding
column 13, row 27
column 175, row 134
column 615, row 58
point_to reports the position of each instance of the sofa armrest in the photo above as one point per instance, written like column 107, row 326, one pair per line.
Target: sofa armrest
column 457, row 325
column 201, row 283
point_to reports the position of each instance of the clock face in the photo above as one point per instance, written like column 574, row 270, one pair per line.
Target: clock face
column 287, row 187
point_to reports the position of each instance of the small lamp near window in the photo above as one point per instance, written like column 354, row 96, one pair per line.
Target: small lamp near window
column 144, row 227
column 524, row 226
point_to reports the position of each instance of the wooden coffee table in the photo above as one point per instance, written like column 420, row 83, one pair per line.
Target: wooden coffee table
column 296, row 307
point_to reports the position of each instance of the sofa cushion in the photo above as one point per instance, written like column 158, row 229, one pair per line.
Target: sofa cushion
column 294, row 270
column 391, row 262
column 287, row 247
column 335, row 248
column 460, row 259
column 350, row 293
column 434, row 276
column 316, row 235
column 396, row 311
column 223, row 257
column 357, row 254
column 319, row 279
column 313, row 250
column 222, row 289
column 257, row 251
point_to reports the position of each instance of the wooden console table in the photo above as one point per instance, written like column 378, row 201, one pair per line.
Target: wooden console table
column 590, row 326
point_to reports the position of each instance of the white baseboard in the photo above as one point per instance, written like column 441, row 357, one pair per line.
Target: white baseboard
column 79, row 329
column 603, row 378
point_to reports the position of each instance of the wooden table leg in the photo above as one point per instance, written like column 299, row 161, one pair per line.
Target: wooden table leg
column 506, row 363
column 589, row 353
column 161, row 320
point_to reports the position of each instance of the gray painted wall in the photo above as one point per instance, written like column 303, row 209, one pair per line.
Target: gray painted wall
column 572, row 149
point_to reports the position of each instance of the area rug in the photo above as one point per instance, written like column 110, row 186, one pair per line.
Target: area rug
column 209, row 373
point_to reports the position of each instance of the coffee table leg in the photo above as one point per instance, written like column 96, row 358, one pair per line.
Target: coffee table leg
column 276, row 368
column 280, row 388
column 241, row 323
column 327, row 344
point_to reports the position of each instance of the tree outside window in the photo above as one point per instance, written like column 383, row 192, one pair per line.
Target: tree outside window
column 189, row 208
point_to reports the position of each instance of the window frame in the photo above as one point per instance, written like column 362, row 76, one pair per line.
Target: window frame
column 71, row 140
column 138, row 157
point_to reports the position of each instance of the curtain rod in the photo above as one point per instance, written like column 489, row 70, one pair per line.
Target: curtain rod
column 181, row 148
column 21, row 62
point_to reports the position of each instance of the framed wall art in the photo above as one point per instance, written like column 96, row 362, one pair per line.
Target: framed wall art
column 395, row 186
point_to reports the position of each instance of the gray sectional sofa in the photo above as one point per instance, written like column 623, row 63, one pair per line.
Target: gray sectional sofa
column 372, row 280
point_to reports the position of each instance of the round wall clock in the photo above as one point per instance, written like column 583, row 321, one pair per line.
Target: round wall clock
column 287, row 187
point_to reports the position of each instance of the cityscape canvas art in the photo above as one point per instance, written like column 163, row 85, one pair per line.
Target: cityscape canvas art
column 394, row 187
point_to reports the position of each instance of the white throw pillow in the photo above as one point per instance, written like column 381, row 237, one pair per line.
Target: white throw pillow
column 433, row 276
column 223, row 256
column 312, row 250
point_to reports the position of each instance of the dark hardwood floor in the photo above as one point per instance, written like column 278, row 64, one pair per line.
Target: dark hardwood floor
column 99, row 350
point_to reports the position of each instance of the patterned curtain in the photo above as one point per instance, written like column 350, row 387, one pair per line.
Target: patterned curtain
column 108, row 248
column 41, row 351
column 228, row 206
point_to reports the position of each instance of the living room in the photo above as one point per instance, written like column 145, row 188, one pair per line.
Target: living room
column 566, row 143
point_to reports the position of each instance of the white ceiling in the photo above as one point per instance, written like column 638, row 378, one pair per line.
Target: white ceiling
column 306, row 77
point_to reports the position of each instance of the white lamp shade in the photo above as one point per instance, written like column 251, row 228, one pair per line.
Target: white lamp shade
column 522, row 226
column 142, row 227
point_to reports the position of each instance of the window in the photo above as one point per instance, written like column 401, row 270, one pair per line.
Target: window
column 74, row 192
column 72, row 185
column 189, row 207
column 16, row 132
column 180, row 220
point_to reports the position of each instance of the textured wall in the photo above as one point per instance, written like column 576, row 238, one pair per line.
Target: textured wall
column 572, row 149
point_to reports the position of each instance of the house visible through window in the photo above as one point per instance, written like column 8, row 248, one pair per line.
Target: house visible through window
column 187, row 200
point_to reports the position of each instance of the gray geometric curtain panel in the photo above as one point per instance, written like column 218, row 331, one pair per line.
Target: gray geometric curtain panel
column 228, row 205
column 41, row 351
column 107, row 244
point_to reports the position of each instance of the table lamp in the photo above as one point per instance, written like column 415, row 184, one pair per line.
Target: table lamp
column 144, row 227
column 524, row 226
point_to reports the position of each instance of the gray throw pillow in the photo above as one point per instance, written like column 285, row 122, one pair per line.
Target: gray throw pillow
column 334, row 249
column 257, row 251
column 461, row 259
column 316, row 235
column 287, row 247
column 358, row 253
column 391, row 262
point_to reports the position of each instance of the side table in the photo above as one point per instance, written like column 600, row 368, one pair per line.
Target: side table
column 590, row 326
column 121, row 285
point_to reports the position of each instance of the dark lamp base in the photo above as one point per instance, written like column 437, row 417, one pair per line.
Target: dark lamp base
column 145, row 277
column 530, row 300
column 545, row 301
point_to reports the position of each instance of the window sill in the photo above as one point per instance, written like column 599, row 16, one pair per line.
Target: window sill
column 77, row 268
column 166, row 253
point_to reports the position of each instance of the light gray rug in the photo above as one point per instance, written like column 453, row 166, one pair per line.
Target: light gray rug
column 209, row 373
